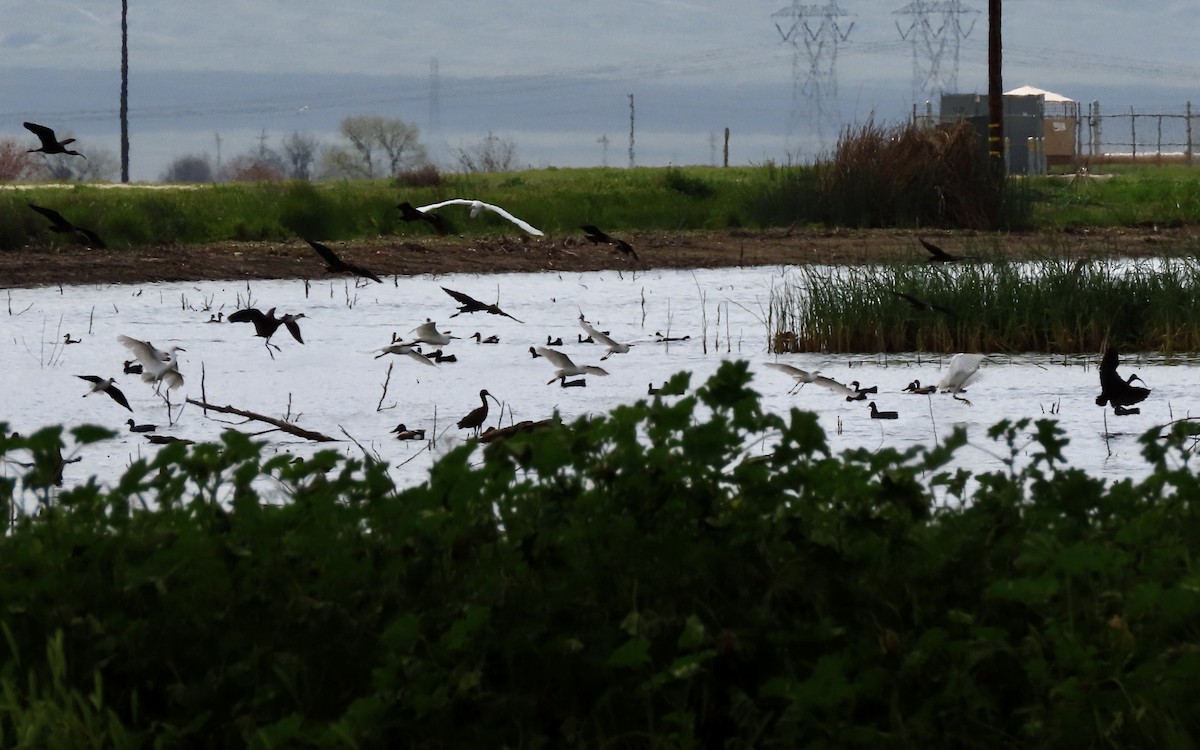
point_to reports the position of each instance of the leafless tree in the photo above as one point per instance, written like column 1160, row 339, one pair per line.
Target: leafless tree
column 16, row 163
column 99, row 166
column 493, row 154
column 300, row 153
column 379, row 146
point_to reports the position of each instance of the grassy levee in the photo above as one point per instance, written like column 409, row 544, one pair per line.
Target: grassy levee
column 582, row 587
column 556, row 201
column 1053, row 305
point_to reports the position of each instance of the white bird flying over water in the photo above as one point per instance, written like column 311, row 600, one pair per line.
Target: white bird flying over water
column 964, row 368
column 803, row 377
column 157, row 366
column 601, row 338
column 564, row 367
column 477, row 206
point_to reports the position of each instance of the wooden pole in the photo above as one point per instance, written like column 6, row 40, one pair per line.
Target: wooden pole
column 995, row 90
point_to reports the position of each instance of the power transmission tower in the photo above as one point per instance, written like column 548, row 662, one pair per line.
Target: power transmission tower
column 631, row 131
column 935, row 32
column 815, row 33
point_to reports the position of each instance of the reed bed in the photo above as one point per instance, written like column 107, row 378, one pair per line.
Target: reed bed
column 1054, row 306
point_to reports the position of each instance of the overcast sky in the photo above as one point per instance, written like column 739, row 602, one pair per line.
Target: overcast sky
column 1072, row 46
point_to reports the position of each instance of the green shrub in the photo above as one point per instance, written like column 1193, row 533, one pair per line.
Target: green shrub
column 634, row 580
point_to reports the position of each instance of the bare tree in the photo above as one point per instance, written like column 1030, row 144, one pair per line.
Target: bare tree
column 16, row 163
column 190, row 168
column 493, row 154
column 379, row 146
column 99, row 166
column 300, row 153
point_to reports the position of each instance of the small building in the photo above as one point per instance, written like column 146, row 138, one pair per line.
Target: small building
column 1060, row 122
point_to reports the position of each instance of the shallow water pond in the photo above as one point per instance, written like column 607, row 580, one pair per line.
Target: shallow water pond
column 334, row 384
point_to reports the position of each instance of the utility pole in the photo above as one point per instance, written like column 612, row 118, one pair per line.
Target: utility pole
column 995, row 91
column 631, row 131
column 124, row 91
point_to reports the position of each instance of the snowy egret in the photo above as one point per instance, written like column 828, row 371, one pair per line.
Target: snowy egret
column 477, row 207
column 565, row 368
column 603, row 338
column 939, row 255
column 266, row 324
column 876, row 414
column 1120, row 393
column 403, row 433
column 50, row 142
column 468, row 304
column 409, row 213
column 598, row 237
column 334, row 264
column 475, row 418
column 60, row 225
column 105, row 385
column 489, row 340
column 964, row 368
column 157, row 366
column 134, row 427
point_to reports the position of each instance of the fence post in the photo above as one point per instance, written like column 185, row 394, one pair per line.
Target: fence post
column 1133, row 134
column 1095, row 129
column 1159, row 151
column 1188, row 146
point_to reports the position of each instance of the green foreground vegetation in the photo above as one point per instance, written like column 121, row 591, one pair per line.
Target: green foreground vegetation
column 582, row 587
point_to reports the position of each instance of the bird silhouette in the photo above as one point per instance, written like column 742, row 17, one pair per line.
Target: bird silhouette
column 266, row 324
column 410, row 213
column 938, row 255
column 476, row 417
column 50, row 142
column 105, row 385
column 1121, row 393
column 920, row 304
column 599, row 237
column 468, row 304
column 334, row 264
column 60, row 225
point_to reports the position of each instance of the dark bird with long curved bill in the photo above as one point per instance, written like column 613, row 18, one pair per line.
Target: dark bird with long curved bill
column 266, row 324
column 410, row 213
column 1118, row 391
column 50, row 142
column 334, row 264
column 598, row 237
column 60, row 225
column 468, row 304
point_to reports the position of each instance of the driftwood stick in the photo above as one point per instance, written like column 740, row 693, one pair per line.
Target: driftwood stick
column 287, row 427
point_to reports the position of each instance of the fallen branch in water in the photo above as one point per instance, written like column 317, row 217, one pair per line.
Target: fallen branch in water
column 287, row 427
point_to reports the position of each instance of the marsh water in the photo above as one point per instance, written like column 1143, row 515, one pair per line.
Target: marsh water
column 335, row 385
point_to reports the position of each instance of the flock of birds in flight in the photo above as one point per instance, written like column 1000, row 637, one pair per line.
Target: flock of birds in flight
column 158, row 366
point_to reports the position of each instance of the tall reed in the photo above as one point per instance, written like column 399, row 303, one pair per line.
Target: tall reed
column 1052, row 305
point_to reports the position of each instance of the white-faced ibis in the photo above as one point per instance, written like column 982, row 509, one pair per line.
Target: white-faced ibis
column 920, row 304
column 604, row 339
column 157, row 366
column 468, row 304
column 565, row 368
column 598, row 237
column 50, row 142
column 477, row 207
column 334, row 264
column 938, row 255
column 105, row 385
column 266, row 324
column 476, row 417
column 1121, row 393
column 410, row 213
column 60, row 225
